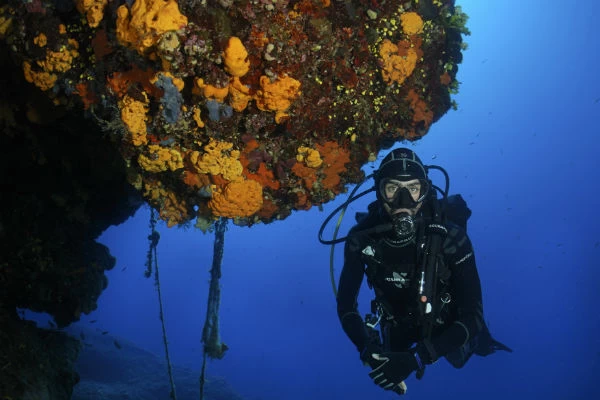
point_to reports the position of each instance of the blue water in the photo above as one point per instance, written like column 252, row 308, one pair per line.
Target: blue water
column 522, row 149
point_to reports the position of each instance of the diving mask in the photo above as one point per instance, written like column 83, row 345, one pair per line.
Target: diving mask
column 399, row 194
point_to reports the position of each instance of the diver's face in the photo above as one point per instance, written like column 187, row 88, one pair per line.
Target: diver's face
column 391, row 189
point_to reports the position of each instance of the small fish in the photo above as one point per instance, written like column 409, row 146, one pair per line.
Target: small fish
column 93, row 321
column 123, row 269
column 104, row 332
column 597, row 100
column 117, row 345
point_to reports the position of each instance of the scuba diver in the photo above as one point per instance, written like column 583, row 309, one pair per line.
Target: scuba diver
column 419, row 261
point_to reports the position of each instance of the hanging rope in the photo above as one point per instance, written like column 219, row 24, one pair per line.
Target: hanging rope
column 213, row 347
column 152, row 261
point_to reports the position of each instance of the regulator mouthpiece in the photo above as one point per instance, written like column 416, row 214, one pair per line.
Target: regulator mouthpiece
column 404, row 227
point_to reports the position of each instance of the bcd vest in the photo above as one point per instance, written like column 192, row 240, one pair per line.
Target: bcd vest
column 393, row 274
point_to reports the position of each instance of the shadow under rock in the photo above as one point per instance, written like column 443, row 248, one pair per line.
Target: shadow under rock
column 114, row 369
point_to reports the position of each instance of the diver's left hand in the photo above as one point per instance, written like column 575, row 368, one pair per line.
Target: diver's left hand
column 395, row 368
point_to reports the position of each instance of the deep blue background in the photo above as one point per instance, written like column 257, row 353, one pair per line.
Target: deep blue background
column 522, row 149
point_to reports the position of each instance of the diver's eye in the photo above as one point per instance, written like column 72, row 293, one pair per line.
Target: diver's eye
column 391, row 189
column 413, row 189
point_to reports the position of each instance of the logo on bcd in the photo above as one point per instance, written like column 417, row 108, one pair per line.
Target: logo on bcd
column 399, row 279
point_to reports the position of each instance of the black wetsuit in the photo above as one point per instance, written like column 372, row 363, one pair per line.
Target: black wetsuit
column 395, row 281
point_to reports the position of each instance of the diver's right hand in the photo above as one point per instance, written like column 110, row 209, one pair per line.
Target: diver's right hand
column 367, row 358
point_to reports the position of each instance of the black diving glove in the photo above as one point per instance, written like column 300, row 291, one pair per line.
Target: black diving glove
column 395, row 367
column 372, row 356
